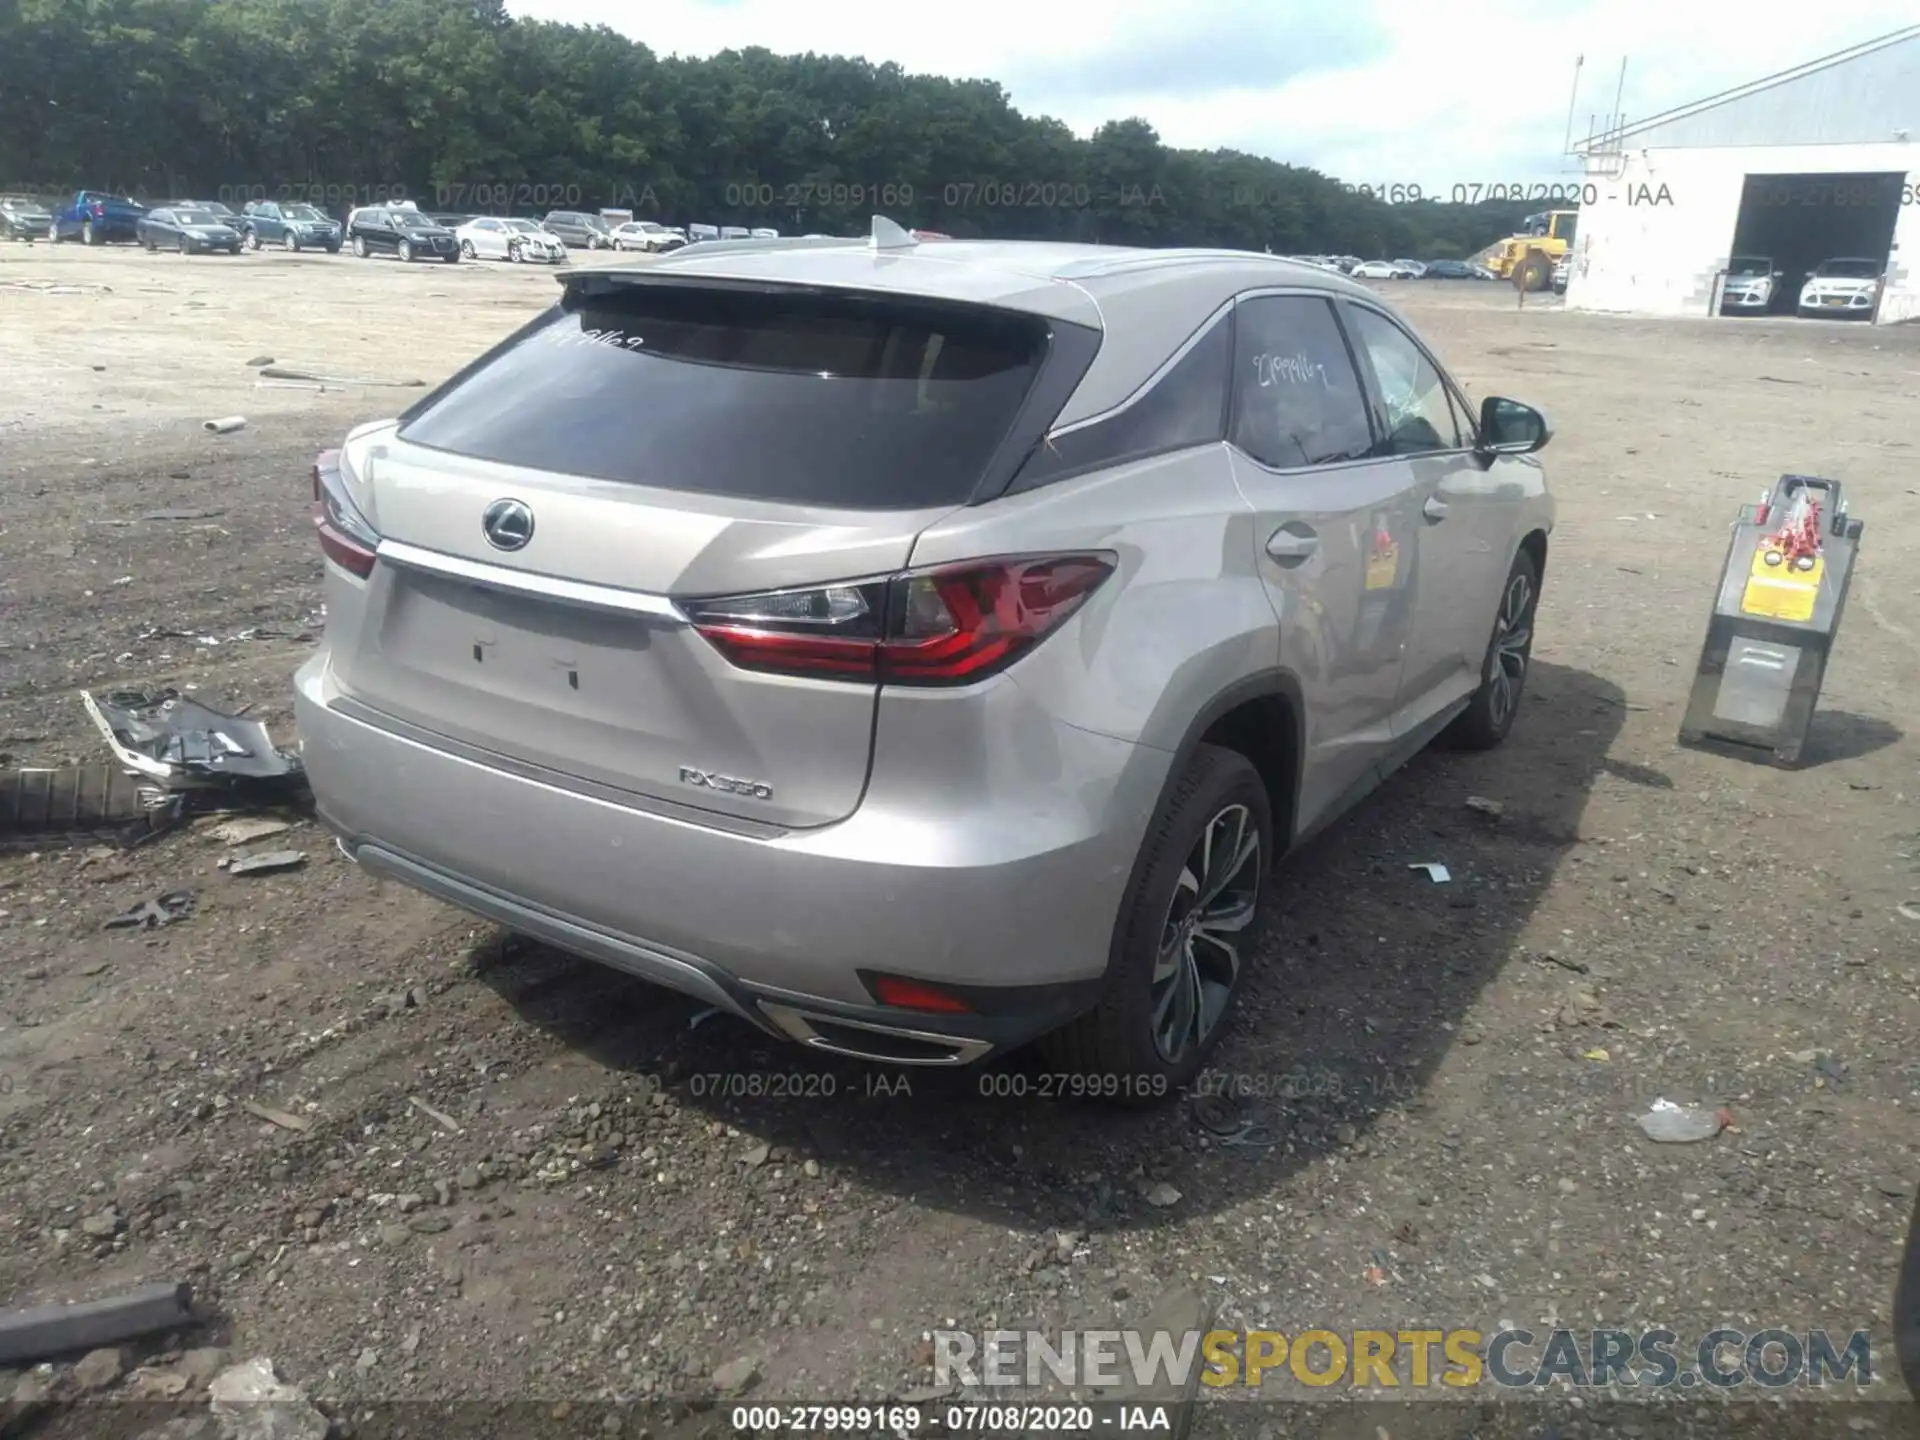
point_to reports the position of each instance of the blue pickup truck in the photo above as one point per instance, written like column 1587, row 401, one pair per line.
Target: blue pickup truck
column 96, row 216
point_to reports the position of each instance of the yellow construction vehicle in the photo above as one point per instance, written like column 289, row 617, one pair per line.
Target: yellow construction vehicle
column 1542, row 239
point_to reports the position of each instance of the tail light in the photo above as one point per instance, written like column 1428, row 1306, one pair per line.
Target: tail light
column 903, row 994
column 97, row 209
column 346, row 537
column 950, row 625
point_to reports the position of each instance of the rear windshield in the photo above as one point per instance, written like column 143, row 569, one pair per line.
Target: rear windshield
column 802, row 397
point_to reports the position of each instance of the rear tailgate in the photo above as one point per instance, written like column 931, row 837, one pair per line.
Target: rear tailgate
column 653, row 446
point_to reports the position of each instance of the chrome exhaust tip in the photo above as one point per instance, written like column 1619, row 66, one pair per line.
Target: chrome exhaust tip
column 879, row 1044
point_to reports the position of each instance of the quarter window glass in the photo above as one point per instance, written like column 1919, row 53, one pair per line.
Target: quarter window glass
column 1186, row 407
column 1419, row 415
column 1297, row 398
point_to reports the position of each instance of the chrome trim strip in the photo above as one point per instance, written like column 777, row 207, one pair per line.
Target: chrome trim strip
column 793, row 1023
column 546, row 587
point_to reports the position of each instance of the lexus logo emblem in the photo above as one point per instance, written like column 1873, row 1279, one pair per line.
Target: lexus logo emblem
column 507, row 524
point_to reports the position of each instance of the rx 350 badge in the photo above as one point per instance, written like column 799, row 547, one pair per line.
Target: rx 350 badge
column 730, row 784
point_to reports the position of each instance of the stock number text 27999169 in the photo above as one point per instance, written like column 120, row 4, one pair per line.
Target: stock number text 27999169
column 760, row 195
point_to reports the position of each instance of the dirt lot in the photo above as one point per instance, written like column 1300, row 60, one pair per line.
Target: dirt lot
column 1444, row 1079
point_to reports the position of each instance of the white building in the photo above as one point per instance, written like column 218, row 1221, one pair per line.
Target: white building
column 1818, row 162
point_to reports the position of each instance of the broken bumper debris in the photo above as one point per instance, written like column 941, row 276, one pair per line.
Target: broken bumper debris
column 187, row 745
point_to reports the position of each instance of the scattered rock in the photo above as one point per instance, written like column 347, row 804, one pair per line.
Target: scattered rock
column 201, row 1364
column 429, row 1224
column 410, row 1203
column 1159, row 1194
column 246, row 828
column 756, row 1157
column 735, row 1377
column 254, row 1403
column 1480, row 805
column 811, row 1169
column 103, row 1226
column 154, row 1384
column 270, row 862
column 100, row 1369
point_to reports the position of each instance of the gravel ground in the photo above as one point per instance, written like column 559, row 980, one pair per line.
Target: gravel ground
column 500, row 1173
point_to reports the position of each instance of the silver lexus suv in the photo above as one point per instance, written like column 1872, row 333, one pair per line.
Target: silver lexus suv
column 917, row 648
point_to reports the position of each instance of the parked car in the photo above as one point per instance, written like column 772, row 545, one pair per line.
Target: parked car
column 579, row 230
column 646, row 235
column 24, row 218
column 290, row 226
column 221, row 212
column 1447, row 270
column 96, row 216
column 763, row 232
column 735, row 232
column 1414, row 268
column 191, row 232
column 407, row 234
column 697, row 233
column 1381, row 270
column 493, row 237
column 1482, row 272
column 819, row 717
column 1842, row 286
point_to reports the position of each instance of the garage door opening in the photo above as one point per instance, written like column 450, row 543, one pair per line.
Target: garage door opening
column 1790, row 225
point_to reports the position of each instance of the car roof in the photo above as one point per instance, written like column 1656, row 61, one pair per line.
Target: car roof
column 1147, row 302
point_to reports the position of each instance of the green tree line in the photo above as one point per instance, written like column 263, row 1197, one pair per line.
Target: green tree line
column 461, row 107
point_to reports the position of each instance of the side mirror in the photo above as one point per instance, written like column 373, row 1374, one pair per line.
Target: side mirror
column 1509, row 428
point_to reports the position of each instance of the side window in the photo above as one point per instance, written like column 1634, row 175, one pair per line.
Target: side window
column 1297, row 399
column 1420, row 415
column 1187, row 406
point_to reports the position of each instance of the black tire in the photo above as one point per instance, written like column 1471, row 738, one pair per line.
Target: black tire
column 452, row 258
column 250, row 238
column 466, row 249
column 185, row 245
column 360, row 246
column 1536, row 272
column 1486, row 721
column 88, row 235
column 1219, row 791
column 405, row 252
column 289, row 242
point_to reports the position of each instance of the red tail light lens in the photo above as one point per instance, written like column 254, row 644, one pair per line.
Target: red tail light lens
column 904, row 994
column 98, row 209
column 345, row 536
column 951, row 625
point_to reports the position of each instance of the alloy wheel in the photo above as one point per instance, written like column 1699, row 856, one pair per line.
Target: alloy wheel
column 289, row 241
column 406, row 250
column 1214, row 900
column 466, row 249
column 1512, row 644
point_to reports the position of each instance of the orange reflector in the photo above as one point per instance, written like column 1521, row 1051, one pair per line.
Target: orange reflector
column 912, row 995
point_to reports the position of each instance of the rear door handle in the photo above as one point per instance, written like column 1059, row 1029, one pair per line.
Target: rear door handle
column 1435, row 509
column 1293, row 545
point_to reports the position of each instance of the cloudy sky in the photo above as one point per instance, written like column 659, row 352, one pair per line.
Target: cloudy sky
column 1373, row 91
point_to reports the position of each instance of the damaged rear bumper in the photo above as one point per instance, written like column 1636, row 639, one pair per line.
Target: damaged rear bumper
column 784, row 929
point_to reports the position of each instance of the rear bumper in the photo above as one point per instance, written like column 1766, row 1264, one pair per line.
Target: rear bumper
column 1012, row 905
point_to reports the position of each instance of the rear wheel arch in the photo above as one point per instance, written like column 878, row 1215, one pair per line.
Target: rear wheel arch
column 1262, row 718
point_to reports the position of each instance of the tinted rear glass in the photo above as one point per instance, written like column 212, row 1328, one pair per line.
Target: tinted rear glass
column 802, row 397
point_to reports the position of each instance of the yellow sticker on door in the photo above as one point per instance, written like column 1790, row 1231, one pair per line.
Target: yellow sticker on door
column 1783, row 589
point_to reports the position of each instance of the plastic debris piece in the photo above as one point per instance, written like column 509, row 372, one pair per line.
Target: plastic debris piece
column 183, row 743
column 1672, row 1124
column 1479, row 804
column 226, row 424
column 267, row 863
column 246, row 828
column 152, row 914
column 1439, row 874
